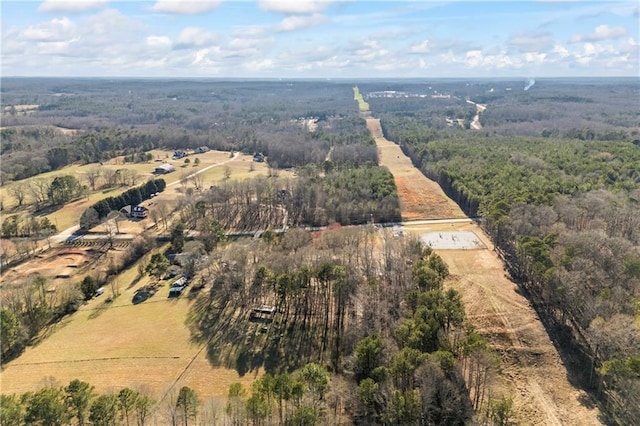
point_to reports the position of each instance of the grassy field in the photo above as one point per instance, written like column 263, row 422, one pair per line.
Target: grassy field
column 146, row 345
column 362, row 105
column 113, row 345
column 69, row 214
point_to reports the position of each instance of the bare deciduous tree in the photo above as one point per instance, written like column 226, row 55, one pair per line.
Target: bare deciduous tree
column 92, row 175
column 18, row 190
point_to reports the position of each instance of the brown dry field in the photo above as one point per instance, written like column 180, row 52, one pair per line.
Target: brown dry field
column 146, row 346
column 113, row 345
column 420, row 197
column 531, row 370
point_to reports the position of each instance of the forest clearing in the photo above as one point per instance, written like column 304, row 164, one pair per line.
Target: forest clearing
column 531, row 370
column 420, row 197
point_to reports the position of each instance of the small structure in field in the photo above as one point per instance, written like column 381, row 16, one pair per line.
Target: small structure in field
column 258, row 157
column 135, row 212
column 164, row 169
column 262, row 314
column 178, row 154
column 202, row 149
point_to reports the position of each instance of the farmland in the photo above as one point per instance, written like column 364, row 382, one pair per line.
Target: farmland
column 320, row 275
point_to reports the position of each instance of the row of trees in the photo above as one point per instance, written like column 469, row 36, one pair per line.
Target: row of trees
column 79, row 403
column 134, row 196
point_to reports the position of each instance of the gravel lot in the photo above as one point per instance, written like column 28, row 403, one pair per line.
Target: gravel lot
column 452, row 240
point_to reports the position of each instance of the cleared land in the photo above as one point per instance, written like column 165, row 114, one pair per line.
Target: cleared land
column 452, row 240
column 531, row 370
column 113, row 345
column 420, row 197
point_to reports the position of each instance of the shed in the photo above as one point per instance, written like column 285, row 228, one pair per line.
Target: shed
column 164, row 169
column 262, row 313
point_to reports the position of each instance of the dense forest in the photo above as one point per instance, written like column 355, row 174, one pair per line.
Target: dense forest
column 293, row 123
column 556, row 180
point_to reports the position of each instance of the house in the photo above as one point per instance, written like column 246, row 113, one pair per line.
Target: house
column 202, row 149
column 178, row 154
column 135, row 212
column 177, row 287
column 164, row 169
column 258, row 157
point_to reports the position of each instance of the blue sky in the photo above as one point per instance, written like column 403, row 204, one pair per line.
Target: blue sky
column 320, row 39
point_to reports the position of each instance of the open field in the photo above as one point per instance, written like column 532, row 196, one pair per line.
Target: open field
column 420, row 197
column 118, row 344
column 69, row 214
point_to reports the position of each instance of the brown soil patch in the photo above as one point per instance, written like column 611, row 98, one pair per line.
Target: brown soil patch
column 420, row 197
column 57, row 264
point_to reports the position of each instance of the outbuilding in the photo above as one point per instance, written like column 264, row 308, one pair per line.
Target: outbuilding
column 164, row 169
column 135, row 212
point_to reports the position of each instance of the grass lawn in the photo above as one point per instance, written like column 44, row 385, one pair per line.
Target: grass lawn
column 70, row 213
column 113, row 345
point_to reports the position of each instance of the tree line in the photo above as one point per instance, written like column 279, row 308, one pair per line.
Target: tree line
column 134, row 196
column 562, row 214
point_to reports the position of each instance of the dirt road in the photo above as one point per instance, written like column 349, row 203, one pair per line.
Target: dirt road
column 531, row 370
column 420, row 198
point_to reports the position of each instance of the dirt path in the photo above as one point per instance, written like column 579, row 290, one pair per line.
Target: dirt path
column 420, row 197
column 531, row 369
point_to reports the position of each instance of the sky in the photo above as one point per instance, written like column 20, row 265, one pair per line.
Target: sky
column 320, row 39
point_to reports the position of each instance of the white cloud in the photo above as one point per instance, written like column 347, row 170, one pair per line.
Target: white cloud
column 158, row 41
column 601, row 32
column 477, row 59
column 195, row 36
column 560, row 51
column 54, row 30
column 293, row 6
column 185, row 7
column 535, row 57
column 70, row 6
column 259, row 65
column 292, row 23
column 420, row 47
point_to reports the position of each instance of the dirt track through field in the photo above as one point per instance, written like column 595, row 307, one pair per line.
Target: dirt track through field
column 532, row 373
column 420, row 197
